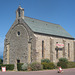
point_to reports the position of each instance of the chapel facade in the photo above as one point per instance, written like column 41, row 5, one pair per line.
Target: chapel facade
column 30, row 40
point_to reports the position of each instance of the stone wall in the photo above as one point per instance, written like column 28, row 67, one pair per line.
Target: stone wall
column 50, row 45
column 19, row 37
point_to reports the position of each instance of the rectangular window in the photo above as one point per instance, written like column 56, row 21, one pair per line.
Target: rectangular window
column 18, row 61
column 42, row 49
column 68, row 50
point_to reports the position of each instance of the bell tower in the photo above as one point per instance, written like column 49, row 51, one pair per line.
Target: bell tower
column 20, row 12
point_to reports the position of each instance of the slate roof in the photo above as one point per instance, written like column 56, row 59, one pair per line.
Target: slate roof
column 46, row 27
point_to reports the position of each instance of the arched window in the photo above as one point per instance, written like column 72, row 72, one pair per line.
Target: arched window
column 19, row 12
column 57, row 54
column 42, row 49
column 68, row 50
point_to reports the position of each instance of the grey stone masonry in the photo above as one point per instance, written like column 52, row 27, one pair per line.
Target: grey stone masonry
column 18, row 38
column 50, row 48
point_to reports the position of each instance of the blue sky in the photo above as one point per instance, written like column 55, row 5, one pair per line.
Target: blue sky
column 55, row 11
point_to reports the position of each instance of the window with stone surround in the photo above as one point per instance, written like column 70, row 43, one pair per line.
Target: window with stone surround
column 18, row 33
column 19, row 12
column 56, row 51
column 57, row 54
column 42, row 49
column 68, row 50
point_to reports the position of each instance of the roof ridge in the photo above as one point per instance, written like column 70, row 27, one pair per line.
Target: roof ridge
column 42, row 20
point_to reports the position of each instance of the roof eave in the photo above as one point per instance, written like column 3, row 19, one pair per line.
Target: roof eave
column 55, row 35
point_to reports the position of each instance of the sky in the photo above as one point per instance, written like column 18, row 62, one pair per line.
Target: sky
column 60, row 12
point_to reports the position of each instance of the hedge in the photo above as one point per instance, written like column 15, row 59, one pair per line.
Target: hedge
column 19, row 66
column 48, row 65
column 63, row 60
column 8, row 66
column 62, row 64
column 71, row 65
column 45, row 60
column 1, row 61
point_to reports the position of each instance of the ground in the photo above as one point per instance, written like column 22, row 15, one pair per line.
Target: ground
column 46, row 72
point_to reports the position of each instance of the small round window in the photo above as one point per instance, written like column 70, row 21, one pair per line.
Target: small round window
column 18, row 33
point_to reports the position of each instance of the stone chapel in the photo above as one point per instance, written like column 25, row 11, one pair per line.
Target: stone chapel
column 30, row 40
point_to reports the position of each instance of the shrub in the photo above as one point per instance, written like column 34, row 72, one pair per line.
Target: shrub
column 24, row 66
column 1, row 61
column 51, row 65
column 48, row 65
column 62, row 64
column 63, row 60
column 8, row 66
column 45, row 60
column 0, row 66
column 29, row 67
column 35, row 66
column 71, row 64
column 19, row 66
column 45, row 65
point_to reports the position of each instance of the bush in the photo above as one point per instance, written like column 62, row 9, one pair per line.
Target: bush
column 71, row 64
column 51, row 65
column 45, row 60
column 63, row 60
column 8, row 66
column 19, row 66
column 0, row 66
column 35, row 66
column 24, row 66
column 62, row 64
column 1, row 61
column 48, row 65
column 45, row 65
